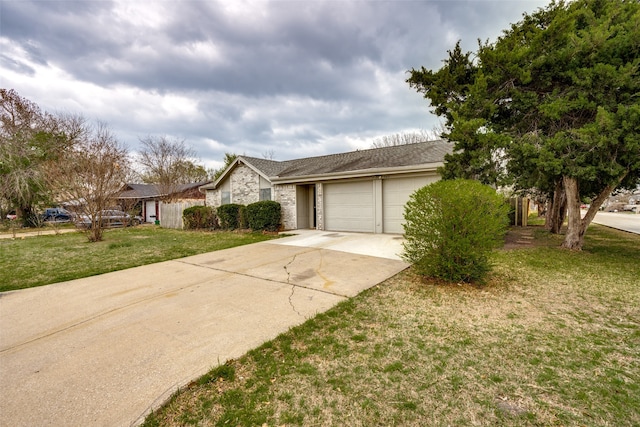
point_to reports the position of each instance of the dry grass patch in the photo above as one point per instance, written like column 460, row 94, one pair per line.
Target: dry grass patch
column 553, row 339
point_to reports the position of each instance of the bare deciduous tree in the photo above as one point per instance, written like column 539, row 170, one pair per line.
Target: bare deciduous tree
column 167, row 163
column 91, row 175
column 270, row 154
column 403, row 138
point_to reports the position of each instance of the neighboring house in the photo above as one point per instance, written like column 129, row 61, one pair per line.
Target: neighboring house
column 362, row 191
column 147, row 198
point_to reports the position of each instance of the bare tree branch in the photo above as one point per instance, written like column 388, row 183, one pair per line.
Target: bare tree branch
column 167, row 163
column 403, row 138
column 91, row 175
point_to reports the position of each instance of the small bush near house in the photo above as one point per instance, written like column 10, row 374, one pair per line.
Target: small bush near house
column 243, row 220
column 229, row 216
column 199, row 218
column 264, row 215
column 452, row 227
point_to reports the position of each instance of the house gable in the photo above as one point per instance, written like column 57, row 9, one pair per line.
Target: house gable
column 240, row 161
column 241, row 183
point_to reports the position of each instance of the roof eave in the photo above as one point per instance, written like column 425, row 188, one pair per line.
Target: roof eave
column 362, row 173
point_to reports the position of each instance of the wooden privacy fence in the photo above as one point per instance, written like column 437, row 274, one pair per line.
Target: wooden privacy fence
column 519, row 214
column 171, row 213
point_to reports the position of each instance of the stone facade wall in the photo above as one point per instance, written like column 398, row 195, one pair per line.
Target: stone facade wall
column 245, row 185
column 214, row 198
column 319, row 207
column 286, row 196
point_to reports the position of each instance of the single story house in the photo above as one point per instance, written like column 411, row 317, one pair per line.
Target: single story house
column 360, row 191
column 147, row 198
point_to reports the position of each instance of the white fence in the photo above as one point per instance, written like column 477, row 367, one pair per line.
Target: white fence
column 171, row 213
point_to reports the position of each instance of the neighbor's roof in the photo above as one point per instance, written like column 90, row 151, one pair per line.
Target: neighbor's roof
column 372, row 160
column 147, row 191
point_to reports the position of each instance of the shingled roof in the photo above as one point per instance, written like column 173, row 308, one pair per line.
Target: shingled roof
column 374, row 158
column 362, row 161
column 148, row 191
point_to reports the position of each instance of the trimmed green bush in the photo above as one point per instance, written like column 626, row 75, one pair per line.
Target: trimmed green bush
column 452, row 227
column 264, row 215
column 229, row 216
column 198, row 218
column 243, row 220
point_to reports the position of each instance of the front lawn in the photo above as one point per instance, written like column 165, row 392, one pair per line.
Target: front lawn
column 46, row 259
column 552, row 340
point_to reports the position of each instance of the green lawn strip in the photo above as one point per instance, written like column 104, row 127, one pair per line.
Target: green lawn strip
column 46, row 259
column 552, row 339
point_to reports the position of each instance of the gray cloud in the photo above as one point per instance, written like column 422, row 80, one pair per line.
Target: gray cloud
column 296, row 77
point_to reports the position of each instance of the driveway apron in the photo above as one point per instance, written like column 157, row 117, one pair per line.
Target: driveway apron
column 107, row 349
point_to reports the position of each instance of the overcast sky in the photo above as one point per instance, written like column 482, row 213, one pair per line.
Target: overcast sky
column 288, row 78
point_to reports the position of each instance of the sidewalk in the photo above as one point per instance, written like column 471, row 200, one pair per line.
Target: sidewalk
column 35, row 233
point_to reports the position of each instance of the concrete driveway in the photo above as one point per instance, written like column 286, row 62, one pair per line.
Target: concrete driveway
column 105, row 350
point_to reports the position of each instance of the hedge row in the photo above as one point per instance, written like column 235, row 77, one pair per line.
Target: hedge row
column 199, row 217
column 264, row 215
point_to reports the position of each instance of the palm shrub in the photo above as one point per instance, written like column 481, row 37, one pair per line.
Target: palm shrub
column 452, row 227
column 229, row 216
column 199, row 217
column 264, row 215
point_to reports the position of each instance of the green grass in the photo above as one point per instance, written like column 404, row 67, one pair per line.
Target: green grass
column 46, row 259
column 553, row 339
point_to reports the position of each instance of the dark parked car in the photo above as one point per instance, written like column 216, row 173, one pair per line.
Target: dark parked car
column 110, row 218
column 57, row 215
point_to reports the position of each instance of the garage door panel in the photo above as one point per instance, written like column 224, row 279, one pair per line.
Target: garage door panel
column 395, row 194
column 349, row 206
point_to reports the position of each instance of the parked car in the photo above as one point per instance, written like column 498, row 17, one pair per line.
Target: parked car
column 57, row 215
column 12, row 215
column 110, row 218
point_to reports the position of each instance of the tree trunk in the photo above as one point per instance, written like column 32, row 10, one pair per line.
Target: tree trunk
column 557, row 209
column 574, row 237
column 577, row 227
column 562, row 213
column 543, row 204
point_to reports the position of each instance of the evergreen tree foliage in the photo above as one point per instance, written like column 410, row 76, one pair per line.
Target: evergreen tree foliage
column 551, row 106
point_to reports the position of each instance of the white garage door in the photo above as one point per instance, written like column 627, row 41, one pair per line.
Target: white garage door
column 349, row 206
column 395, row 194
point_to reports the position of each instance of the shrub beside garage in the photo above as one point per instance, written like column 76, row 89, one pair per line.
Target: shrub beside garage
column 452, row 227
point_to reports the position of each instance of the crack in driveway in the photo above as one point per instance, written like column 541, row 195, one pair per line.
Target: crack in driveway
column 293, row 286
column 266, row 279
